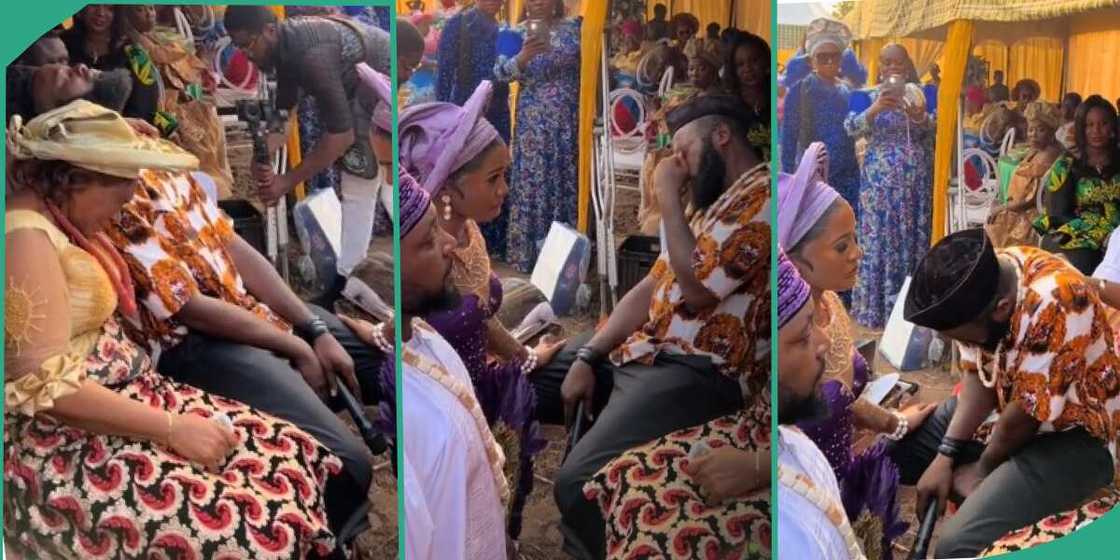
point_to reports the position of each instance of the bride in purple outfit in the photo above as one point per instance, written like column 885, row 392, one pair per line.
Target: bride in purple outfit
column 458, row 157
column 819, row 228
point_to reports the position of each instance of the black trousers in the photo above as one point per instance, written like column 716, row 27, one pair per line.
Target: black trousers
column 269, row 383
column 1052, row 473
column 642, row 403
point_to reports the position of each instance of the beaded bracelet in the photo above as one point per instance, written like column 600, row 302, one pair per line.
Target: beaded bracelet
column 900, row 429
column 379, row 340
column 530, row 362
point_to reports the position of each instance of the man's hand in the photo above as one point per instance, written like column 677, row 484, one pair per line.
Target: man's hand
column 271, row 187
column 726, row 473
column 336, row 363
column 966, row 479
column 936, row 483
column 306, row 362
column 669, row 178
column 578, row 386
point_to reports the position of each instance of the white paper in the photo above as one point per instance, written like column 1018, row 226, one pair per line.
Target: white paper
column 896, row 337
column 550, row 264
column 327, row 210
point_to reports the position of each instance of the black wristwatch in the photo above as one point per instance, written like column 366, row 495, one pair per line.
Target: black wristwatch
column 311, row 329
column 589, row 356
column 951, row 448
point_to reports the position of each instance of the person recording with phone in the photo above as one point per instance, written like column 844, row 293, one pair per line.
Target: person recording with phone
column 895, row 184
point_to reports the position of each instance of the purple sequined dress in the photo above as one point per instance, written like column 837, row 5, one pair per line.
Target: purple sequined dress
column 503, row 392
column 869, row 480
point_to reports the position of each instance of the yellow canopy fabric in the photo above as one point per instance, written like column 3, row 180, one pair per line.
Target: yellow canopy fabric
column 1040, row 59
column 994, row 52
column 753, row 16
column 953, row 63
column 591, row 46
column 891, row 18
column 707, row 11
column 1094, row 49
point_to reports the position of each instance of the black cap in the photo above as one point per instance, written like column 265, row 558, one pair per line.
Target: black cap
column 954, row 283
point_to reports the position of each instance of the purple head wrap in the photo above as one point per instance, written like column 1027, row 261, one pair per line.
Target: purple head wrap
column 436, row 139
column 793, row 291
column 805, row 196
column 378, row 84
column 414, row 202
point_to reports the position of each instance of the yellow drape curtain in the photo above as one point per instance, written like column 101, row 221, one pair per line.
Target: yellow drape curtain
column 706, row 11
column 995, row 53
column 868, row 54
column 1040, row 59
column 958, row 43
column 591, row 46
column 753, row 16
column 1094, row 49
column 924, row 52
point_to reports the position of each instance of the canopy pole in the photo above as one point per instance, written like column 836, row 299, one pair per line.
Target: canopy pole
column 958, row 44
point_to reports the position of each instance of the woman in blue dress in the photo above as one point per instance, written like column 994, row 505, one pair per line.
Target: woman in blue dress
column 544, row 178
column 467, row 54
column 820, row 83
column 895, row 189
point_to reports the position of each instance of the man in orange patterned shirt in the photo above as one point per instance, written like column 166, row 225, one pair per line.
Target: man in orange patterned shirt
column 216, row 315
column 690, row 342
column 1038, row 355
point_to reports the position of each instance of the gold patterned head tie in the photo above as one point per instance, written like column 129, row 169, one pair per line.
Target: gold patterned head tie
column 92, row 137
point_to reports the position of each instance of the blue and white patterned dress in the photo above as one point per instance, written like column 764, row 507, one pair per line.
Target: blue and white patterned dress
column 896, row 202
column 815, row 112
column 544, row 180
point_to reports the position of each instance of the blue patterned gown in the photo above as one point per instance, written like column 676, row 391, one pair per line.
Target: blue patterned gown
column 896, row 203
column 468, row 50
column 815, row 112
column 544, row 180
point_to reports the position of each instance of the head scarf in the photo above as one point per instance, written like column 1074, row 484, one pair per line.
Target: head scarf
column 631, row 28
column 824, row 31
column 793, row 291
column 955, row 281
column 1044, row 113
column 379, row 87
column 711, row 57
column 92, row 137
column 436, row 139
column 804, row 196
column 414, row 202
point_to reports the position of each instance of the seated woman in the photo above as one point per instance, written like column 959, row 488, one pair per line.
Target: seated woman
column 183, row 79
column 104, row 456
column 1012, row 223
column 459, row 158
column 1082, row 202
column 819, row 227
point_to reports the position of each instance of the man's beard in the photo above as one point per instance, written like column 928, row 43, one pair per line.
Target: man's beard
column 708, row 184
column 111, row 89
column 446, row 299
column 794, row 410
column 997, row 331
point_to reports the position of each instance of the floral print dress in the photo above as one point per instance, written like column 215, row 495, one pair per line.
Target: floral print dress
column 544, row 179
column 895, row 201
column 1095, row 197
column 71, row 493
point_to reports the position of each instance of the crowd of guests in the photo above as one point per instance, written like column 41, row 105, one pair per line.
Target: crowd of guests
column 689, row 341
column 459, row 48
column 1033, row 329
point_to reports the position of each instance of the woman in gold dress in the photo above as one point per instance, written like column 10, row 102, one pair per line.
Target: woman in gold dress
column 104, row 457
column 1012, row 223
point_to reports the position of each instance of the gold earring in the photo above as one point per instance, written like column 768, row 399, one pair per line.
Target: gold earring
column 446, row 207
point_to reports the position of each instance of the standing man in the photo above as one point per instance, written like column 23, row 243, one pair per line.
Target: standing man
column 998, row 92
column 1037, row 350
column 658, row 27
column 316, row 56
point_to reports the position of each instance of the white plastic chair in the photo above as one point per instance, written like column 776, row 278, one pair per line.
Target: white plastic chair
column 978, row 201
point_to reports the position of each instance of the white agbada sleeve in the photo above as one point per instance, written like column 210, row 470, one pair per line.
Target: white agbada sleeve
column 804, row 531
column 435, row 461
